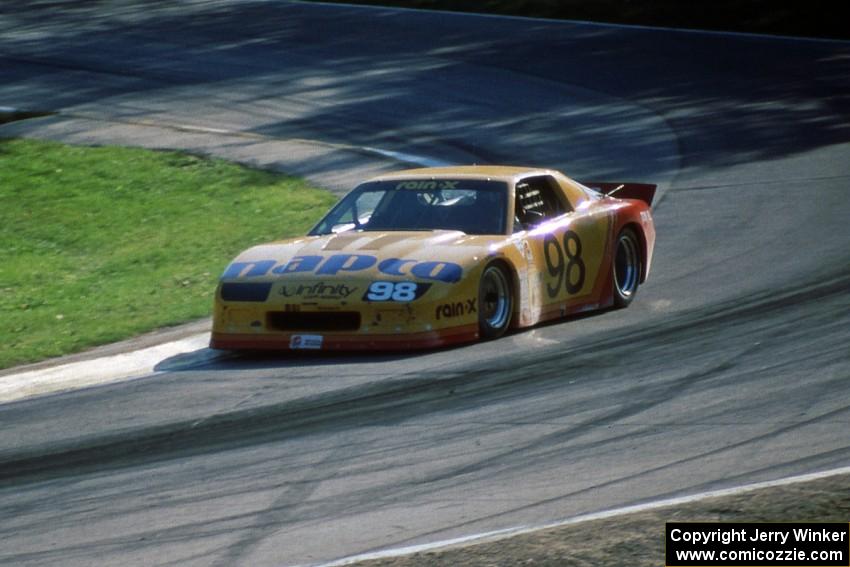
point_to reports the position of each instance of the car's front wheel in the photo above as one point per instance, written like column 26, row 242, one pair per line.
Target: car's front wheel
column 627, row 267
column 495, row 302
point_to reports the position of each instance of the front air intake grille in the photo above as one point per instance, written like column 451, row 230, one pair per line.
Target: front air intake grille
column 314, row 321
column 240, row 291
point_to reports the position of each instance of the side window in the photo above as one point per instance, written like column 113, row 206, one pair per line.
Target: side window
column 537, row 201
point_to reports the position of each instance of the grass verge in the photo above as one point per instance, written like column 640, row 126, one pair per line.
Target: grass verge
column 637, row 539
column 807, row 19
column 100, row 244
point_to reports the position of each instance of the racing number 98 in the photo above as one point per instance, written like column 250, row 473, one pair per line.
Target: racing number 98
column 564, row 263
column 392, row 291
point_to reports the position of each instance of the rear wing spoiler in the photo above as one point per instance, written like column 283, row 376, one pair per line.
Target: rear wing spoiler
column 642, row 191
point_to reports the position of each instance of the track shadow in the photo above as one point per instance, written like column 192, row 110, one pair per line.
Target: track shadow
column 225, row 361
column 383, row 78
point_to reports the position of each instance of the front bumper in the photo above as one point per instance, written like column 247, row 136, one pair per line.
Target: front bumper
column 309, row 340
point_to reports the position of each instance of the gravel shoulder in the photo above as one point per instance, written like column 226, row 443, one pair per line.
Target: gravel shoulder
column 637, row 539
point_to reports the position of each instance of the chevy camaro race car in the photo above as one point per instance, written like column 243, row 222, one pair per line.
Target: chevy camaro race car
column 437, row 256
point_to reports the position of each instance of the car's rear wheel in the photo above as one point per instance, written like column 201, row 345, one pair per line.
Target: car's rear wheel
column 627, row 267
column 495, row 302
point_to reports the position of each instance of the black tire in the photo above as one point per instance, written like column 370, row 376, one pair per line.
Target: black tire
column 626, row 267
column 495, row 302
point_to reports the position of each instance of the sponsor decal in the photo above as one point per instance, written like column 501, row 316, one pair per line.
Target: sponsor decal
column 457, row 309
column 447, row 272
column 395, row 291
column 317, row 290
column 426, row 185
column 306, row 342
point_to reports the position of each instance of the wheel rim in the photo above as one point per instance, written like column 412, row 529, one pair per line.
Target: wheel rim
column 626, row 266
column 495, row 298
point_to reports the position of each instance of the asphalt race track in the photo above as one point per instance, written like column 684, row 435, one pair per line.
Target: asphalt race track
column 732, row 366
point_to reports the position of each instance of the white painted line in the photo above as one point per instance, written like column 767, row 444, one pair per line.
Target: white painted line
column 410, row 158
column 205, row 130
column 398, row 156
column 105, row 370
column 520, row 530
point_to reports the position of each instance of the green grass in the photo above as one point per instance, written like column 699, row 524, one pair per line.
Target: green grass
column 100, row 244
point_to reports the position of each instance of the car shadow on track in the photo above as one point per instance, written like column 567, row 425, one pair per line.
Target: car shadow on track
column 209, row 359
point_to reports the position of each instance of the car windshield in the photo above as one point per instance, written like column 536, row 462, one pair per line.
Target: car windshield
column 471, row 206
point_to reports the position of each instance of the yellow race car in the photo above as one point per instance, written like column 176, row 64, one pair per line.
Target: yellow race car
column 430, row 257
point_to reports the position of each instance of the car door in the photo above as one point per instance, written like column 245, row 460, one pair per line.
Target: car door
column 567, row 239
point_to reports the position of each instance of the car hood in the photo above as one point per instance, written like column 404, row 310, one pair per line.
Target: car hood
column 441, row 255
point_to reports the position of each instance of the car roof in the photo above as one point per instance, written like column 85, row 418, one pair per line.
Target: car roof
column 495, row 172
